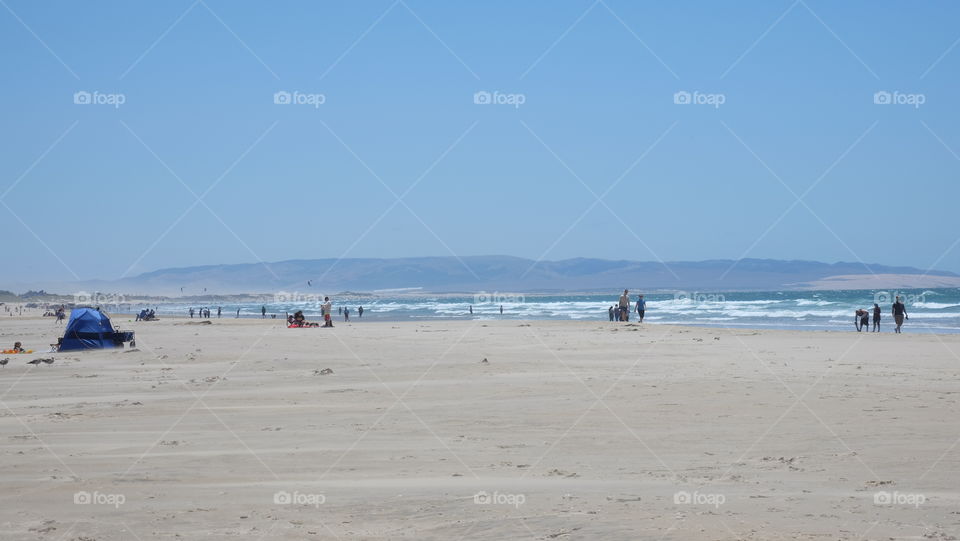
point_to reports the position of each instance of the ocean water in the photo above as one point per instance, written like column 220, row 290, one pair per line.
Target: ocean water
column 929, row 310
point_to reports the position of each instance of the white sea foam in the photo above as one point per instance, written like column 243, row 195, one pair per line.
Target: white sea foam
column 933, row 305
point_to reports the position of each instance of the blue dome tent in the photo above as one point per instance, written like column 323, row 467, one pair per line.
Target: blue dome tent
column 90, row 328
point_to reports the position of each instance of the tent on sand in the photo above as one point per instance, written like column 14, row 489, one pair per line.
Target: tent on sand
column 89, row 328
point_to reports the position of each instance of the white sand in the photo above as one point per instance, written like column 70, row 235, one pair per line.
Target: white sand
column 583, row 430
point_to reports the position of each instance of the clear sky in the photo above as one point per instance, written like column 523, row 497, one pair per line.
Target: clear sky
column 188, row 160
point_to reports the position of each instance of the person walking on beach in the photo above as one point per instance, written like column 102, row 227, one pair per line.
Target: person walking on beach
column 471, row 309
column 876, row 317
column 191, row 313
column 346, row 314
column 610, row 311
column 360, row 312
column 625, row 306
column 263, row 312
column 899, row 314
column 327, row 308
column 238, row 313
column 641, row 307
column 501, row 309
column 219, row 311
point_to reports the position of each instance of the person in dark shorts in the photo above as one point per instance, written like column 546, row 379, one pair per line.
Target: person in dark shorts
column 899, row 314
column 876, row 317
column 610, row 311
column 641, row 307
column 624, row 305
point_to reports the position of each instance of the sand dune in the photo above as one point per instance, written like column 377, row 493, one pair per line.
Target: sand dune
column 569, row 430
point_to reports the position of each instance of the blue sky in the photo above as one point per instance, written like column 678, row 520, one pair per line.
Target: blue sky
column 103, row 191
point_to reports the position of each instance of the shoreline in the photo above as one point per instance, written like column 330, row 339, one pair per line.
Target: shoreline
column 128, row 319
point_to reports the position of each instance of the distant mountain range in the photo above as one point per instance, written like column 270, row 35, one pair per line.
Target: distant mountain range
column 505, row 273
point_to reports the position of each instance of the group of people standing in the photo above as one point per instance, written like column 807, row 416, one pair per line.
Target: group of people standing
column 621, row 312
column 205, row 312
column 861, row 319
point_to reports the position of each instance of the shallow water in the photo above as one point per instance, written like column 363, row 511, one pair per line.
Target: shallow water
column 929, row 310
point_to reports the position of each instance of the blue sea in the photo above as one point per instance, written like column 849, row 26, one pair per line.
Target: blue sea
column 929, row 310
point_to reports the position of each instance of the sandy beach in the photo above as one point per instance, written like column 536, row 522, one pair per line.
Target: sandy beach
column 242, row 428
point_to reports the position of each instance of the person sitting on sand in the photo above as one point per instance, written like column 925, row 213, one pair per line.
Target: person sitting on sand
column 899, row 314
column 298, row 318
column 17, row 347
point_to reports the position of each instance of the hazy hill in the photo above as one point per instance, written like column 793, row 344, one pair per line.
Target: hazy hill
column 505, row 273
